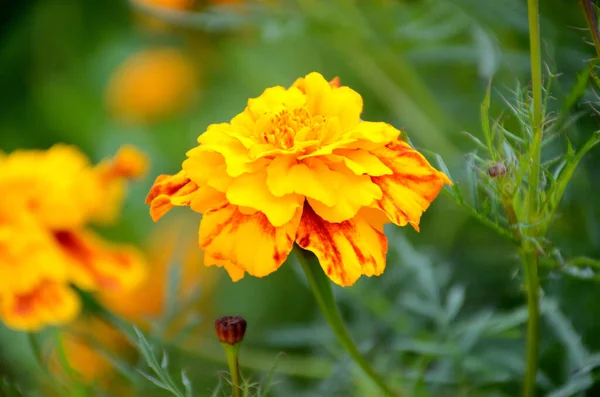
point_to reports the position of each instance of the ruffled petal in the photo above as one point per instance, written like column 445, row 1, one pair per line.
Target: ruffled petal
column 285, row 175
column 360, row 162
column 413, row 186
column 206, row 167
column 248, row 242
column 169, row 191
column 95, row 264
column 345, row 250
column 236, row 273
column 327, row 100
column 250, row 190
column 225, row 139
column 275, row 99
column 352, row 191
column 48, row 303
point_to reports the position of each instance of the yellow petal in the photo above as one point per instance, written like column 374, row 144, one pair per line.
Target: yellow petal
column 169, row 191
column 96, row 264
column 370, row 135
column 352, row 191
column 285, row 176
column 225, row 139
column 360, row 162
column 234, row 272
column 207, row 198
column 248, row 242
column 49, row 303
column 206, row 167
column 275, row 99
column 345, row 250
column 413, row 186
column 250, row 190
column 330, row 101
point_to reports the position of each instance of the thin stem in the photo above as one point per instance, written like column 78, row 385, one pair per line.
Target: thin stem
column 536, row 88
column 530, row 263
column 231, row 351
column 321, row 288
column 590, row 17
column 529, row 251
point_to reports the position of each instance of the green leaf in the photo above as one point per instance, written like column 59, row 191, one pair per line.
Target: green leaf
column 580, row 86
column 572, row 387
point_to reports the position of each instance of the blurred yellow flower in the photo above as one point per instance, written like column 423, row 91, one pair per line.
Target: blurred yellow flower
column 299, row 164
column 150, row 85
column 169, row 246
column 48, row 199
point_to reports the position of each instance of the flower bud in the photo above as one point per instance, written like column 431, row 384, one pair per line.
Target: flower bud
column 230, row 329
column 497, row 169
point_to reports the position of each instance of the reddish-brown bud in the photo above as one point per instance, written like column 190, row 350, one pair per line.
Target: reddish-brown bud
column 335, row 82
column 497, row 169
column 230, row 329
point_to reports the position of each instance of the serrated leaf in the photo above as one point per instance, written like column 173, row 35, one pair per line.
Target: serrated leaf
column 567, row 335
column 572, row 387
column 153, row 380
column 164, row 364
column 187, row 384
column 454, row 301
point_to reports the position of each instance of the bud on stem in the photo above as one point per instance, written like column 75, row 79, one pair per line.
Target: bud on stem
column 230, row 331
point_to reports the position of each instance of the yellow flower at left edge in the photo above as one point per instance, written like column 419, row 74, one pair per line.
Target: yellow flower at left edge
column 167, row 247
column 49, row 198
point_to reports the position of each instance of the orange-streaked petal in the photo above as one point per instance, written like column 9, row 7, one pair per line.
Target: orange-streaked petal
column 250, row 190
column 169, row 191
column 360, row 162
column 345, row 250
column 248, row 242
column 50, row 303
column 128, row 162
column 234, row 272
column 95, row 264
column 413, row 186
column 207, row 198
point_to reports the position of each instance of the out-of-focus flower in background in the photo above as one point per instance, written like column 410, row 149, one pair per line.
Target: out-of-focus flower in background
column 150, row 85
column 300, row 165
column 49, row 198
column 168, row 246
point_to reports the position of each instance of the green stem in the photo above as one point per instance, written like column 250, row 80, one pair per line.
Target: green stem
column 529, row 254
column 530, row 263
column 231, row 351
column 321, row 288
column 590, row 17
column 536, row 88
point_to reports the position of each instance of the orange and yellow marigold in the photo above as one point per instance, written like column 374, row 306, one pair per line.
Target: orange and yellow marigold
column 48, row 200
column 299, row 165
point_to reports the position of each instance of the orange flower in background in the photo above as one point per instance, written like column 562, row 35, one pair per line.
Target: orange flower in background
column 49, row 197
column 169, row 246
column 299, row 165
column 166, row 248
column 151, row 85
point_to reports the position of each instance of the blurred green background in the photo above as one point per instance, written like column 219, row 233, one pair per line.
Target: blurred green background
column 447, row 315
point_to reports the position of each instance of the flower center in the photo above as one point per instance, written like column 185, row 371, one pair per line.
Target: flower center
column 289, row 126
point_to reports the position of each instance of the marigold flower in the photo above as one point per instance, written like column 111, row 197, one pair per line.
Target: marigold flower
column 299, row 165
column 150, row 85
column 166, row 247
column 49, row 198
